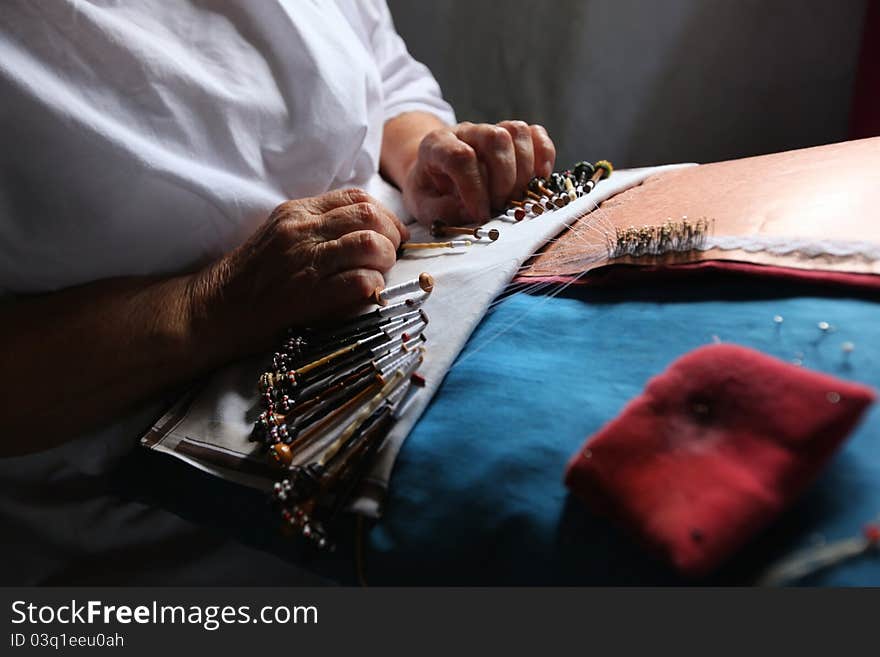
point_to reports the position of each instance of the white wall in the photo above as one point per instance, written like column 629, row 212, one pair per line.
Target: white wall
column 642, row 82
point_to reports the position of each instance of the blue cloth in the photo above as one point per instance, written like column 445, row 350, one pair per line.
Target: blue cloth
column 477, row 493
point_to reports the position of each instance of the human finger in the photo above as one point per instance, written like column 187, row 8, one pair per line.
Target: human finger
column 545, row 151
column 495, row 150
column 362, row 216
column 362, row 249
column 525, row 153
column 444, row 153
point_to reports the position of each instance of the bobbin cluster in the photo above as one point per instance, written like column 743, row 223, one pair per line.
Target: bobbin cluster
column 543, row 195
column 560, row 189
column 330, row 399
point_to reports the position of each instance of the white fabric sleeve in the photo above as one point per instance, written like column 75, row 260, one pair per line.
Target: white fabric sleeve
column 407, row 84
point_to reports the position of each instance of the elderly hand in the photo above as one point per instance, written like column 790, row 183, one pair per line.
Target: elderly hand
column 464, row 173
column 313, row 259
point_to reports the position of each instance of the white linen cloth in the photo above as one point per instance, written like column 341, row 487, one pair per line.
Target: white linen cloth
column 150, row 137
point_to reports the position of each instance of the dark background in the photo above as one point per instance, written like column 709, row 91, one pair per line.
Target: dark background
column 641, row 82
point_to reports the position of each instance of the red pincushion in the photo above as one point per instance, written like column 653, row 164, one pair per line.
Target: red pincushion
column 713, row 450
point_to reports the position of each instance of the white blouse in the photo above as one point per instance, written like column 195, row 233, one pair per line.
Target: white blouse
column 152, row 136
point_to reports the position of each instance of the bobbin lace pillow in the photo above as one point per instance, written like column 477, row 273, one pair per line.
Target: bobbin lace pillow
column 713, row 450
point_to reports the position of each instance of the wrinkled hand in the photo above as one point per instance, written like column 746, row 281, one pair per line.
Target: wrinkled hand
column 465, row 172
column 313, row 259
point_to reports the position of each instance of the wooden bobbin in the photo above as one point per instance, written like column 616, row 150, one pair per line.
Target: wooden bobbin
column 281, row 455
column 440, row 229
column 425, row 283
column 421, row 246
column 603, row 170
